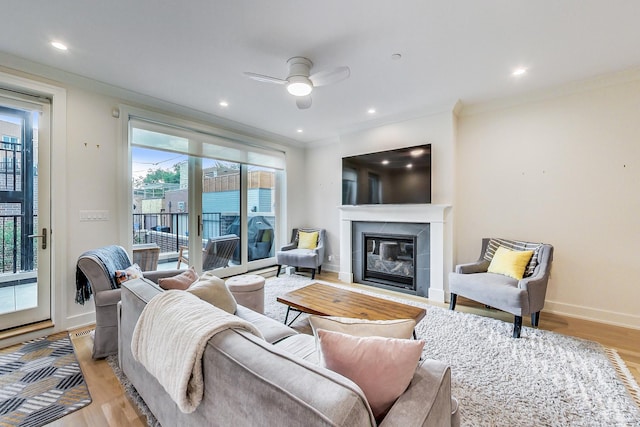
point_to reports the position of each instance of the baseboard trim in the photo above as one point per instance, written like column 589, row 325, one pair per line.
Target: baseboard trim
column 436, row 295
column 593, row 314
column 345, row 277
column 79, row 320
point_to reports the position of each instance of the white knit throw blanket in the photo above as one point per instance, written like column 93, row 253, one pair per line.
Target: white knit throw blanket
column 169, row 341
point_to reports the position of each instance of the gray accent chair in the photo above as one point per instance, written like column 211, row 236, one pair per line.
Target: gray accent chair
column 97, row 267
column 518, row 297
column 302, row 258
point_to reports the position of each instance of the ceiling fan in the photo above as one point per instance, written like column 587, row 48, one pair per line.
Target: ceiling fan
column 300, row 82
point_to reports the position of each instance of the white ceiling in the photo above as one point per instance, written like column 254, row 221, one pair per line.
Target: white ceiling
column 193, row 53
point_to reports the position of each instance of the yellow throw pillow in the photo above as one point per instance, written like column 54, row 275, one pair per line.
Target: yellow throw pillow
column 307, row 240
column 510, row 263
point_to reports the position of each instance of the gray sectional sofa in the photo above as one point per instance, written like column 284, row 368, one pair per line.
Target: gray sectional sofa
column 250, row 381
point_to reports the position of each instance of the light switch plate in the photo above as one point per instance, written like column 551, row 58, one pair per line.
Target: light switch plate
column 94, row 215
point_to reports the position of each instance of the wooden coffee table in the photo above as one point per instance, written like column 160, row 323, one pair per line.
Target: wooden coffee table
column 325, row 300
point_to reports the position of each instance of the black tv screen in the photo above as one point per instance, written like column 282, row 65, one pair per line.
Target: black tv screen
column 388, row 177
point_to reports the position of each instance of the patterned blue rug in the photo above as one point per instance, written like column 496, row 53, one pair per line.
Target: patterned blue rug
column 40, row 381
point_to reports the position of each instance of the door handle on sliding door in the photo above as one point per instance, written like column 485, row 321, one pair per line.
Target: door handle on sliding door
column 43, row 236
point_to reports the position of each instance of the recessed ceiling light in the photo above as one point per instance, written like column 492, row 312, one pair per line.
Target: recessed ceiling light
column 409, row 166
column 59, row 46
column 385, row 162
column 396, row 56
column 519, row 71
column 299, row 130
column 371, row 111
column 223, row 104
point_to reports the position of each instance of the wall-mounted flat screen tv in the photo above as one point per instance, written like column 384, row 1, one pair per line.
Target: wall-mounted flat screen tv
column 388, row 177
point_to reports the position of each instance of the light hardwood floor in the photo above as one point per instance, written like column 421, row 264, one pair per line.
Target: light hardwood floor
column 111, row 406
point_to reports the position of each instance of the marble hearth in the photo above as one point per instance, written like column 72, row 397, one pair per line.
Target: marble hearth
column 440, row 253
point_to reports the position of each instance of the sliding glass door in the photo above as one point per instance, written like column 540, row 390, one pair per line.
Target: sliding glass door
column 198, row 205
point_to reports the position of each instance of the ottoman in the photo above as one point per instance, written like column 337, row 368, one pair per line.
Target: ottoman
column 248, row 290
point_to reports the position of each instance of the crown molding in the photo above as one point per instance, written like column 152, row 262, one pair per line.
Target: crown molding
column 13, row 64
column 575, row 87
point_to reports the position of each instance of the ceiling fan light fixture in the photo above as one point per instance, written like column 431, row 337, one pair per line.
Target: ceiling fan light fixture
column 299, row 86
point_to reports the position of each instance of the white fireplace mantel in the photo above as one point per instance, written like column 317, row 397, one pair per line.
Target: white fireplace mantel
column 435, row 215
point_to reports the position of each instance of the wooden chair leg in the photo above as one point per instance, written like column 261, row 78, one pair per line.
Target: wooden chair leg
column 313, row 273
column 535, row 319
column 319, row 269
column 452, row 302
column 517, row 326
column 278, row 272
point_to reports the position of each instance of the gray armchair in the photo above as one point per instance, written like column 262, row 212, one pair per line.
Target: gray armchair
column 302, row 258
column 518, row 297
column 95, row 275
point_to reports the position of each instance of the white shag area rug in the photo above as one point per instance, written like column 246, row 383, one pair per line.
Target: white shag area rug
column 541, row 379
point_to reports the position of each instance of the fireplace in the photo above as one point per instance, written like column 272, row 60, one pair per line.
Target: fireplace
column 389, row 259
column 392, row 255
column 433, row 254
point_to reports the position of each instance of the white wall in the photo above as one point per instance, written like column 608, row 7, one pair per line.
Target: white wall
column 324, row 168
column 559, row 166
column 91, row 185
column 566, row 171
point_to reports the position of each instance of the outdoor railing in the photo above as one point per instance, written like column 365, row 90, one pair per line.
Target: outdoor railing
column 11, row 243
column 171, row 230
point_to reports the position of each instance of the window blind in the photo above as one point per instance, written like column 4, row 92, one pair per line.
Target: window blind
column 178, row 139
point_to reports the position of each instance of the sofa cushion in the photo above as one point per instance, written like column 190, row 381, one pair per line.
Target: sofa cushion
column 272, row 330
column 213, row 290
column 381, row 367
column 302, row 345
column 182, row 281
column 495, row 290
column 304, row 258
column 510, row 263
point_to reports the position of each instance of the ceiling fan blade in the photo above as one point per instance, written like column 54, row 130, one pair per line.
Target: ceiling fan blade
column 322, row 78
column 303, row 102
column 263, row 78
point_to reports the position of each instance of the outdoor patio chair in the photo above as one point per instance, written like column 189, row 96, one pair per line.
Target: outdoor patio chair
column 216, row 253
column 146, row 255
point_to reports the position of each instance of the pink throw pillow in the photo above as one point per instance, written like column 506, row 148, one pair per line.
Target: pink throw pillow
column 381, row 367
column 182, row 281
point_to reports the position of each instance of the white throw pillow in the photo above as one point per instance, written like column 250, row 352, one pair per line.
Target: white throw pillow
column 213, row 290
column 397, row 328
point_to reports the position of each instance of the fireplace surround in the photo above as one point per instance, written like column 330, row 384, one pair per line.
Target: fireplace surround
column 391, row 255
column 439, row 235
